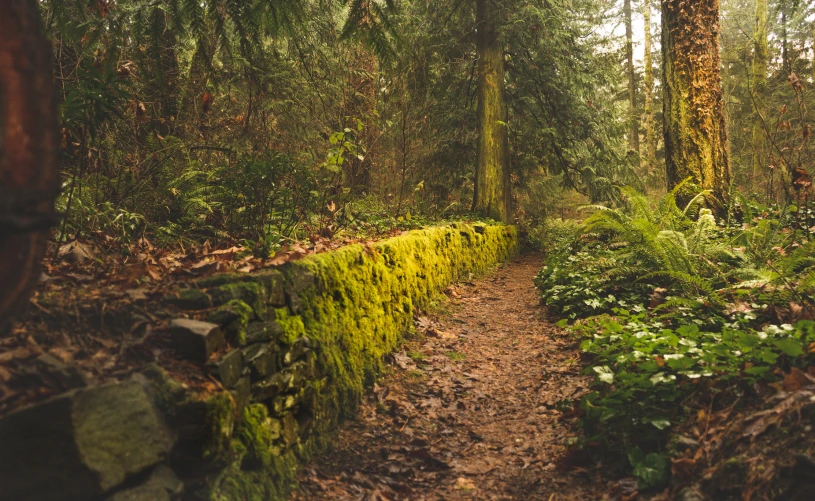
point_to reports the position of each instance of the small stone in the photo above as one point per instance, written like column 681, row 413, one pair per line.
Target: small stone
column 274, row 283
column 282, row 404
column 228, row 369
column 162, row 485
column 270, row 387
column 265, row 363
column 251, row 293
column 299, row 375
column 298, row 350
column 242, row 393
column 258, row 332
column 189, row 299
column 290, row 430
column 299, row 280
column 196, row 340
column 68, row 376
column 234, row 316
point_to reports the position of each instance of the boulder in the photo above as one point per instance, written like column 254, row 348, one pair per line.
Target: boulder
column 81, row 444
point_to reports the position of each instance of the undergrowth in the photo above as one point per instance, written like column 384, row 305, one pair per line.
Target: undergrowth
column 676, row 311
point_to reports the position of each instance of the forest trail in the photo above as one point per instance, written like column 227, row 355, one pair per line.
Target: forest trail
column 469, row 410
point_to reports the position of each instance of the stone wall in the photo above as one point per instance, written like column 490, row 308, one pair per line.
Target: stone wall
column 292, row 351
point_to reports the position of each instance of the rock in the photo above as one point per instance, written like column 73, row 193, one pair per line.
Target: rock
column 274, row 283
column 298, row 280
column 290, row 429
column 68, row 376
column 162, row 485
column 167, row 391
column 228, row 369
column 242, row 393
column 258, row 332
column 283, row 404
column 298, row 351
column 234, row 316
column 251, row 293
column 265, row 362
column 299, row 375
column 270, row 387
column 189, row 299
column 81, row 444
column 196, row 340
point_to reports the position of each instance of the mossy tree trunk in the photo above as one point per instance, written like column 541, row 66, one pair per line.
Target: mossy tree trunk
column 694, row 123
column 633, row 119
column 648, row 122
column 29, row 149
column 759, row 88
column 492, row 186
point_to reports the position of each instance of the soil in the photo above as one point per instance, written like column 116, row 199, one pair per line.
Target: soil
column 475, row 407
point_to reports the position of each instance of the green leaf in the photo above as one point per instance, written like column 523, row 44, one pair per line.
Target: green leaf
column 790, row 347
column 604, row 374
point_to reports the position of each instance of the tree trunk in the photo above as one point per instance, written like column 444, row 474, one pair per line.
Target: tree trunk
column 694, row 124
column 785, row 55
column 633, row 126
column 29, row 148
column 759, row 88
column 648, row 62
column 492, row 187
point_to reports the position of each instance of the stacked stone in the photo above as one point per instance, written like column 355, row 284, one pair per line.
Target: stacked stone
column 244, row 343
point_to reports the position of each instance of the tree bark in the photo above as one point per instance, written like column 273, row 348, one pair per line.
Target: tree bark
column 694, row 124
column 759, row 88
column 648, row 62
column 29, row 149
column 633, row 126
column 492, row 187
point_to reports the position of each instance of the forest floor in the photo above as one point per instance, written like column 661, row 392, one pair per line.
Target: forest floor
column 470, row 409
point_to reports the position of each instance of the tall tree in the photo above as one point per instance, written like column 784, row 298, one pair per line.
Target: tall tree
column 759, row 87
column 648, row 63
column 633, row 126
column 492, row 187
column 694, row 123
column 29, row 146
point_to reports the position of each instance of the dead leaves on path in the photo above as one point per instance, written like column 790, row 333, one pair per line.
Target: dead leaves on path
column 468, row 411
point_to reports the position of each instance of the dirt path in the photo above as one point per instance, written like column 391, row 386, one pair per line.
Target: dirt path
column 469, row 410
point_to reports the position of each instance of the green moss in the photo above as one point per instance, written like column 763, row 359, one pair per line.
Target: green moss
column 251, row 293
column 234, row 316
column 258, row 433
column 220, row 425
column 455, row 356
column 354, row 305
column 262, row 470
column 293, row 327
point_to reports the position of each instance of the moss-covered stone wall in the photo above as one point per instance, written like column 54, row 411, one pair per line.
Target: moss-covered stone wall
column 296, row 347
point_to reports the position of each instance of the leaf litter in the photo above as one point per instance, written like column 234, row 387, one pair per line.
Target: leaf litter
column 469, row 408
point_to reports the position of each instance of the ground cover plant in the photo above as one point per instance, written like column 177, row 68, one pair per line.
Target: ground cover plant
column 674, row 312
